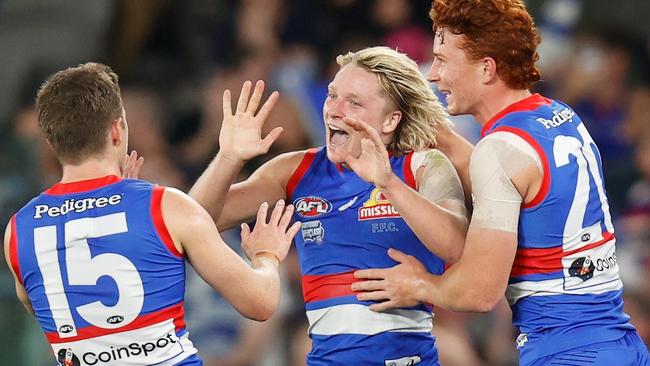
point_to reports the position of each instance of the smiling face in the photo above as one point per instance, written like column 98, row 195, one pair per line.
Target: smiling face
column 456, row 76
column 356, row 93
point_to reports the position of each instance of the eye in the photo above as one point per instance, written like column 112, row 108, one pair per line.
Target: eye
column 331, row 96
column 355, row 103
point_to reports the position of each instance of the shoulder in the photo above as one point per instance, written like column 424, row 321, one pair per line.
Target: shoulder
column 433, row 169
column 431, row 159
column 504, row 146
column 286, row 165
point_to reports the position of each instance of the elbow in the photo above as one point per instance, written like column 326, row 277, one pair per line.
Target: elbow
column 482, row 303
column 261, row 312
column 454, row 251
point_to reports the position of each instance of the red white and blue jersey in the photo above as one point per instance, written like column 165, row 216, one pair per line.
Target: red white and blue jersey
column 564, row 287
column 103, row 275
column 348, row 224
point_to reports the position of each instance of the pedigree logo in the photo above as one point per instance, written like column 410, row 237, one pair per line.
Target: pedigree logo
column 377, row 207
column 558, row 118
column 76, row 205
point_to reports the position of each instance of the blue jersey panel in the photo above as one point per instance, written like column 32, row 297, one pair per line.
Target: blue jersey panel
column 101, row 279
column 348, row 224
column 564, row 285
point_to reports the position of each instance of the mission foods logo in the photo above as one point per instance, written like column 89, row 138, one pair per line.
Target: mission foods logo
column 377, row 207
column 312, row 206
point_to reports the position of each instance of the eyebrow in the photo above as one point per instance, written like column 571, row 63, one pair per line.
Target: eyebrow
column 438, row 54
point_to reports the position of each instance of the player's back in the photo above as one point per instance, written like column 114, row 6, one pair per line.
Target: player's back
column 564, row 287
column 104, row 278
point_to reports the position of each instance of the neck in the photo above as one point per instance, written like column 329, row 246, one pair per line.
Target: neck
column 90, row 169
column 498, row 100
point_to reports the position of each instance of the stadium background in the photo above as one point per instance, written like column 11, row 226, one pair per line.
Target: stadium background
column 175, row 58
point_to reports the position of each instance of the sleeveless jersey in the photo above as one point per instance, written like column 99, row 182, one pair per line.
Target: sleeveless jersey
column 348, row 224
column 564, row 287
column 104, row 278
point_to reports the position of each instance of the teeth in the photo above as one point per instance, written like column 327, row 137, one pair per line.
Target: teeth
column 334, row 128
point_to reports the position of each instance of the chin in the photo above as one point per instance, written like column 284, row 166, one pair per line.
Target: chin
column 333, row 156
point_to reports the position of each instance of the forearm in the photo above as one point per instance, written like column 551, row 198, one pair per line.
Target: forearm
column 211, row 189
column 479, row 280
column 268, row 285
column 440, row 229
column 455, row 291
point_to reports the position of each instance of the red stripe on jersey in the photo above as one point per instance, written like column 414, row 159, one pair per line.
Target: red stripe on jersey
column 175, row 312
column 408, row 172
column 159, row 222
column 323, row 287
column 82, row 185
column 528, row 104
column 546, row 174
column 13, row 251
column 297, row 175
column 547, row 260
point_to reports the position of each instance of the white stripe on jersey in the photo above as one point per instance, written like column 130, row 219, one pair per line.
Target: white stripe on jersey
column 156, row 344
column 359, row 319
column 604, row 277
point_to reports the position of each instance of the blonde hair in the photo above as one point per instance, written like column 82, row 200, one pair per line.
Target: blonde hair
column 402, row 82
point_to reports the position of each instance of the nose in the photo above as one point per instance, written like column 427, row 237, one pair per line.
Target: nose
column 434, row 72
column 335, row 108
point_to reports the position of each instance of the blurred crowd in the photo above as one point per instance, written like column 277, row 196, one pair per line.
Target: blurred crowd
column 175, row 58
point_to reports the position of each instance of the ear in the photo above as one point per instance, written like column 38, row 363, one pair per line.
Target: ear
column 489, row 70
column 117, row 131
column 391, row 122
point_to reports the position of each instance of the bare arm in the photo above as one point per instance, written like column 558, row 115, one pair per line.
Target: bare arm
column 239, row 140
column 437, row 218
column 436, row 212
column 459, row 151
column 253, row 290
column 267, row 184
column 503, row 177
column 20, row 290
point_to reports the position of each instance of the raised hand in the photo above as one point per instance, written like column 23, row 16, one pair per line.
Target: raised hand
column 395, row 287
column 373, row 164
column 273, row 237
column 131, row 166
column 240, row 138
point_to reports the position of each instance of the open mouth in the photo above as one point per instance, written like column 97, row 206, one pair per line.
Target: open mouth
column 338, row 137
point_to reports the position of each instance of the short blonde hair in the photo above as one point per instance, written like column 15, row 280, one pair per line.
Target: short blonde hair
column 402, row 81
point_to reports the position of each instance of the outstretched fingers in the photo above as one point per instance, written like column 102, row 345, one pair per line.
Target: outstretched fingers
column 277, row 212
column 132, row 165
column 255, row 99
column 244, row 96
column 262, row 213
column 268, row 105
column 227, row 103
column 271, row 137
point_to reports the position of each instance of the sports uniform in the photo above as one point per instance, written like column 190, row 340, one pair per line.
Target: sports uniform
column 102, row 273
column 564, row 287
column 348, row 224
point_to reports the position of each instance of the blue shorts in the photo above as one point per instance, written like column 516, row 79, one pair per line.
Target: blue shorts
column 627, row 351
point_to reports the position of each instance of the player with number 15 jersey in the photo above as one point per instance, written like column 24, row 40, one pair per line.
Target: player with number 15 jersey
column 100, row 260
column 104, row 279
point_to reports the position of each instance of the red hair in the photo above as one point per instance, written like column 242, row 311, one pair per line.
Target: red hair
column 501, row 29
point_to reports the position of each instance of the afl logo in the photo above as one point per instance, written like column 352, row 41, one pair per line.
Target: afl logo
column 115, row 319
column 66, row 328
column 312, row 206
